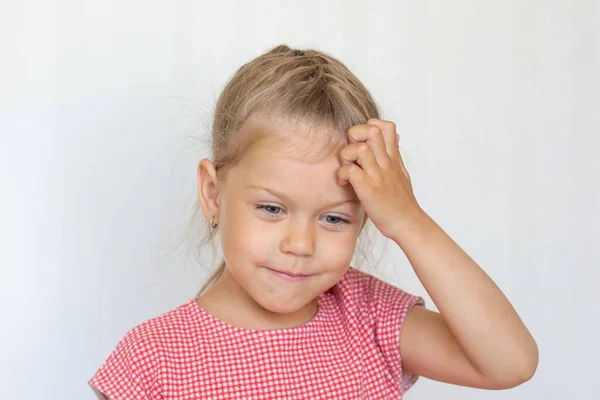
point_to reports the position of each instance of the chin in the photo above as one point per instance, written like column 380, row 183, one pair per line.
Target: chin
column 278, row 308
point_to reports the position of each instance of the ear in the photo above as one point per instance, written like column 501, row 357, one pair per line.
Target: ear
column 208, row 189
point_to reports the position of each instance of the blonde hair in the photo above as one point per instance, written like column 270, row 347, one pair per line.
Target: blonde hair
column 309, row 86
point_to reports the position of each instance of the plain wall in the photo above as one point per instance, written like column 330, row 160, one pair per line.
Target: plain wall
column 497, row 107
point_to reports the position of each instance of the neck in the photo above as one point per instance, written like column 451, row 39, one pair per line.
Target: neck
column 229, row 302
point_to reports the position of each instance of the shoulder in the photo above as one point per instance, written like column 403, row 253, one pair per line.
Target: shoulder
column 374, row 292
column 157, row 333
column 371, row 302
column 134, row 364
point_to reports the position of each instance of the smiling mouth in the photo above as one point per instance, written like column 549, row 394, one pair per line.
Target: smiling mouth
column 287, row 276
column 287, row 273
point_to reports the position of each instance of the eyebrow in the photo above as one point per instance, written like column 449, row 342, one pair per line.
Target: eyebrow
column 284, row 197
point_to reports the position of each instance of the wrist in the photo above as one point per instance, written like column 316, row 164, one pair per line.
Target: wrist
column 410, row 224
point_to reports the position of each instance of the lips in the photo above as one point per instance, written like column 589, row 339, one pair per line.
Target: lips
column 287, row 273
column 287, row 276
column 290, row 274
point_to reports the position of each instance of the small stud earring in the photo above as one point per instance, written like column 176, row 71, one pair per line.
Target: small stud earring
column 211, row 222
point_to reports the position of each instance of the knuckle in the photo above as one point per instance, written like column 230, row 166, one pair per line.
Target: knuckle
column 363, row 148
column 374, row 130
column 353, row 129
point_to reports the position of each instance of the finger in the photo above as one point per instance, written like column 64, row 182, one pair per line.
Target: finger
column 372, row 135
column 362, row 154
column 351, row 173
column 387, row 128
column 390, row 136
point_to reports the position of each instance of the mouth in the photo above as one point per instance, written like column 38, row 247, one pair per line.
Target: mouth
column 287, row 276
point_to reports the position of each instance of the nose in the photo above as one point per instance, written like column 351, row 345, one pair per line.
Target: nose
column 299, row 239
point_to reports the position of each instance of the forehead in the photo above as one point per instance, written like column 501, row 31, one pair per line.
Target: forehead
column 290, row 160
column 282, row 169
column 295, row 178
column 287, row 137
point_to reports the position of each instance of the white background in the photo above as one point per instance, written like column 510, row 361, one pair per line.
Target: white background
column 497, row 105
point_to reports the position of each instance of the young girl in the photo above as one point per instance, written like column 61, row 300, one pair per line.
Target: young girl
column 301, row 162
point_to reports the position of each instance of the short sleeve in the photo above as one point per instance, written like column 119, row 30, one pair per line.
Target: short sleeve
column 392, row 304
column 130, row 371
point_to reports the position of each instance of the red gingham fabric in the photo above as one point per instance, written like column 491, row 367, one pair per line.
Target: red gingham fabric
column 349, row 350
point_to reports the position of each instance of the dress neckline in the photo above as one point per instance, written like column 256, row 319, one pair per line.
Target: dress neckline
column 307, row 326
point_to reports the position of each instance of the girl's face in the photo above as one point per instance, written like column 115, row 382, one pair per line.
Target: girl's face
column 310, row 229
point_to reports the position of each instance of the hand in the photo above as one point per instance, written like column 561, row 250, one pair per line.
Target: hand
column 373, row 166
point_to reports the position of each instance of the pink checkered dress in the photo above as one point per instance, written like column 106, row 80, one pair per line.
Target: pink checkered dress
column 349, row 350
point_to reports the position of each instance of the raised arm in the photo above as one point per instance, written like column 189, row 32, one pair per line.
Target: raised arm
column 477, row 339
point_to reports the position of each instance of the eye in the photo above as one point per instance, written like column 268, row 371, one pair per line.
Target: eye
column 341, row 221
column 273, row 214
column 264, row 207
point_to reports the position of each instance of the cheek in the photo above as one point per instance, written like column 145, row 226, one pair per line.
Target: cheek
column 243, row 238
column 339, row 251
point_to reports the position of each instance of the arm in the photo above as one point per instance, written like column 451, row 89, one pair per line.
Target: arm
column 477, row 339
